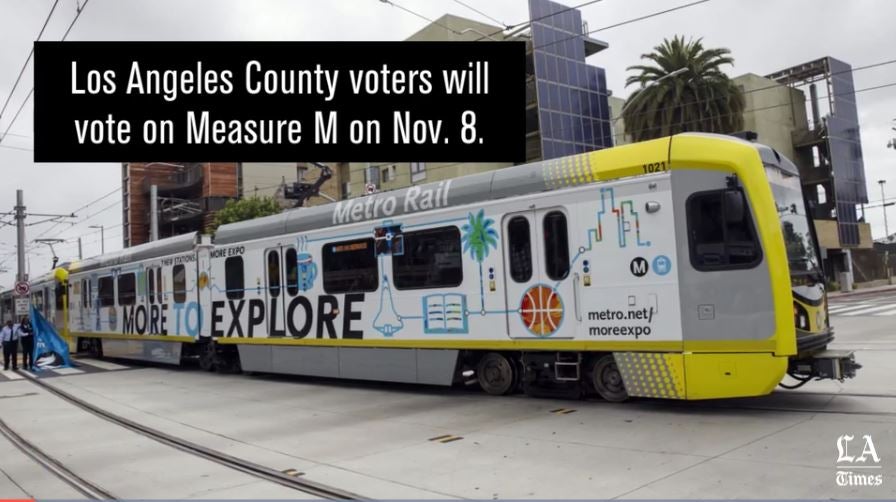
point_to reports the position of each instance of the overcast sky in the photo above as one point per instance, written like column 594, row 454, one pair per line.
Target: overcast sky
column 763, row 35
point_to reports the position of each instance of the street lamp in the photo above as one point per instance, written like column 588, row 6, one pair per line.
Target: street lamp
column 102, row 238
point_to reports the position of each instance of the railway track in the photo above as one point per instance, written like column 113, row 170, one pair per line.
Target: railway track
column 81, row 485
column 94, row 492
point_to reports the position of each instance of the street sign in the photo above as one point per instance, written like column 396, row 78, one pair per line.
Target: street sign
column 22, row 288
column 22, row 306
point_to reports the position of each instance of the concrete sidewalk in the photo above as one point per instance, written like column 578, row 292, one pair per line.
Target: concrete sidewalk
column 864, row 291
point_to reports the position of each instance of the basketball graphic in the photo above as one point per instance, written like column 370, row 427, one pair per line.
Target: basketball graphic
column 541, row 310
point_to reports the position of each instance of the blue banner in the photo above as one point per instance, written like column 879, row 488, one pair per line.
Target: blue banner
column 50, row 350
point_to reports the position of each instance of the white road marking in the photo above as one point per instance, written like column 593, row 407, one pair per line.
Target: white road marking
column 846, row 308
column 12, row 375
column 103, row 365
column 868, row 310
column 66, row 371
column 892, row 311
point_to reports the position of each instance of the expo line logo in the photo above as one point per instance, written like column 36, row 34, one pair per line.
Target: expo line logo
column 868, row 461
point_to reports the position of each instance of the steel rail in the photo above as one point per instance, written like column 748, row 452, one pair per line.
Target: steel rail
column 236, row 463
column 55, row 467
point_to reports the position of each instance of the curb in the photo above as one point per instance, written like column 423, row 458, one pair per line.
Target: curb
column 861, row 292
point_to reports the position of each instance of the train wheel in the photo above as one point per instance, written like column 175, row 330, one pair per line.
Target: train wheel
column 207, row 356
column 607, row 380
column 496, row 374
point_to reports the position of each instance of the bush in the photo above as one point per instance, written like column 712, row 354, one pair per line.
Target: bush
column 245, row 209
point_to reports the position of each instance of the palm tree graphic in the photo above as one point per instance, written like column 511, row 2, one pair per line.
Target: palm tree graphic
column 477, row 238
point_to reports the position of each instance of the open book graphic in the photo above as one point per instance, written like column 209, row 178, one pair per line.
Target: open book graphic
column 445, row 313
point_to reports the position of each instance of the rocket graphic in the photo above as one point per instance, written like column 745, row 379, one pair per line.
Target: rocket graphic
column 387, row 320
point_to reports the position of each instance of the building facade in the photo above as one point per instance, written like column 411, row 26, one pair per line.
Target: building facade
column 189, row 194
column 567, row 111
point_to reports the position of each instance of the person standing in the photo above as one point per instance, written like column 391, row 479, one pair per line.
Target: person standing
column 10, row 337
column 26, row 333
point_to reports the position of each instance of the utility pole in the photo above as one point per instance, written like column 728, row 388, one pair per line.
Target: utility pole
column 20, row 235
column 154, row 212
column 102, row 238
column 22, row 274
column 80, row 255
column 883, row 200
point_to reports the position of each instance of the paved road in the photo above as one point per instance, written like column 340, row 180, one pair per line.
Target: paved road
column 882, row 304
column 396, row 441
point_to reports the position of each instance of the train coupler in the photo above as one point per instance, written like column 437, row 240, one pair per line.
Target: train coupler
column 833, row 364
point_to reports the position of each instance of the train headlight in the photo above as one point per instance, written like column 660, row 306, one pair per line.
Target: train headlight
column 801, row 317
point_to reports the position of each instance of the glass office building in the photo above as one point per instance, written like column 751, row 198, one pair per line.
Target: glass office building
column 570, row 114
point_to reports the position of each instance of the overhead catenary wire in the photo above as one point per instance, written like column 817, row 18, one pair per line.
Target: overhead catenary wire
column 85, row 206
column 421, row 16
column 15, row 84
column 483, row 14
column 539, row 18
column 79, row 11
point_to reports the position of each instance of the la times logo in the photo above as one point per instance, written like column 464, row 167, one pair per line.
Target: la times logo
column 857, row 470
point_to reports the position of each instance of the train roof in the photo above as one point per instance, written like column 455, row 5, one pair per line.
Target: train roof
column 154, row 249
column 611, row 163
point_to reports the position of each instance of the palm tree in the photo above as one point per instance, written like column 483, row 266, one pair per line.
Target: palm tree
column 701, row 98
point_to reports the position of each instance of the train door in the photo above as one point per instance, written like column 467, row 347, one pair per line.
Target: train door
column 282, row 280
column 541, row 293
column 520, row 255
column 187, row 316
column 204, row 286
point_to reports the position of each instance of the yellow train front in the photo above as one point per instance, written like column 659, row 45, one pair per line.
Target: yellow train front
column 679, row 268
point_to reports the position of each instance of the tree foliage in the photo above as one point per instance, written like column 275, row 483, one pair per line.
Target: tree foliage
column 245, row 209
column 702, row 98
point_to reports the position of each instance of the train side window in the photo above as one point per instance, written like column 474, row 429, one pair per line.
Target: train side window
column 37, row 298
column 127, row 289
column 556, row 245
column 151, row 284
column 721, row 235
column 274, row 273
column 292, row 271
column 159, row 284
column 431, row 259
column 350, row 267
column 179, row 283
column 234, row 278
column 106, row 291
column 520, row 249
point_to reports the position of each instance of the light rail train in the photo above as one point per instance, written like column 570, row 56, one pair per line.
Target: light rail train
column 684, row 268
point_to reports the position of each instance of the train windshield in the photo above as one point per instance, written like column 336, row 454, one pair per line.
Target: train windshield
column 795, row 223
